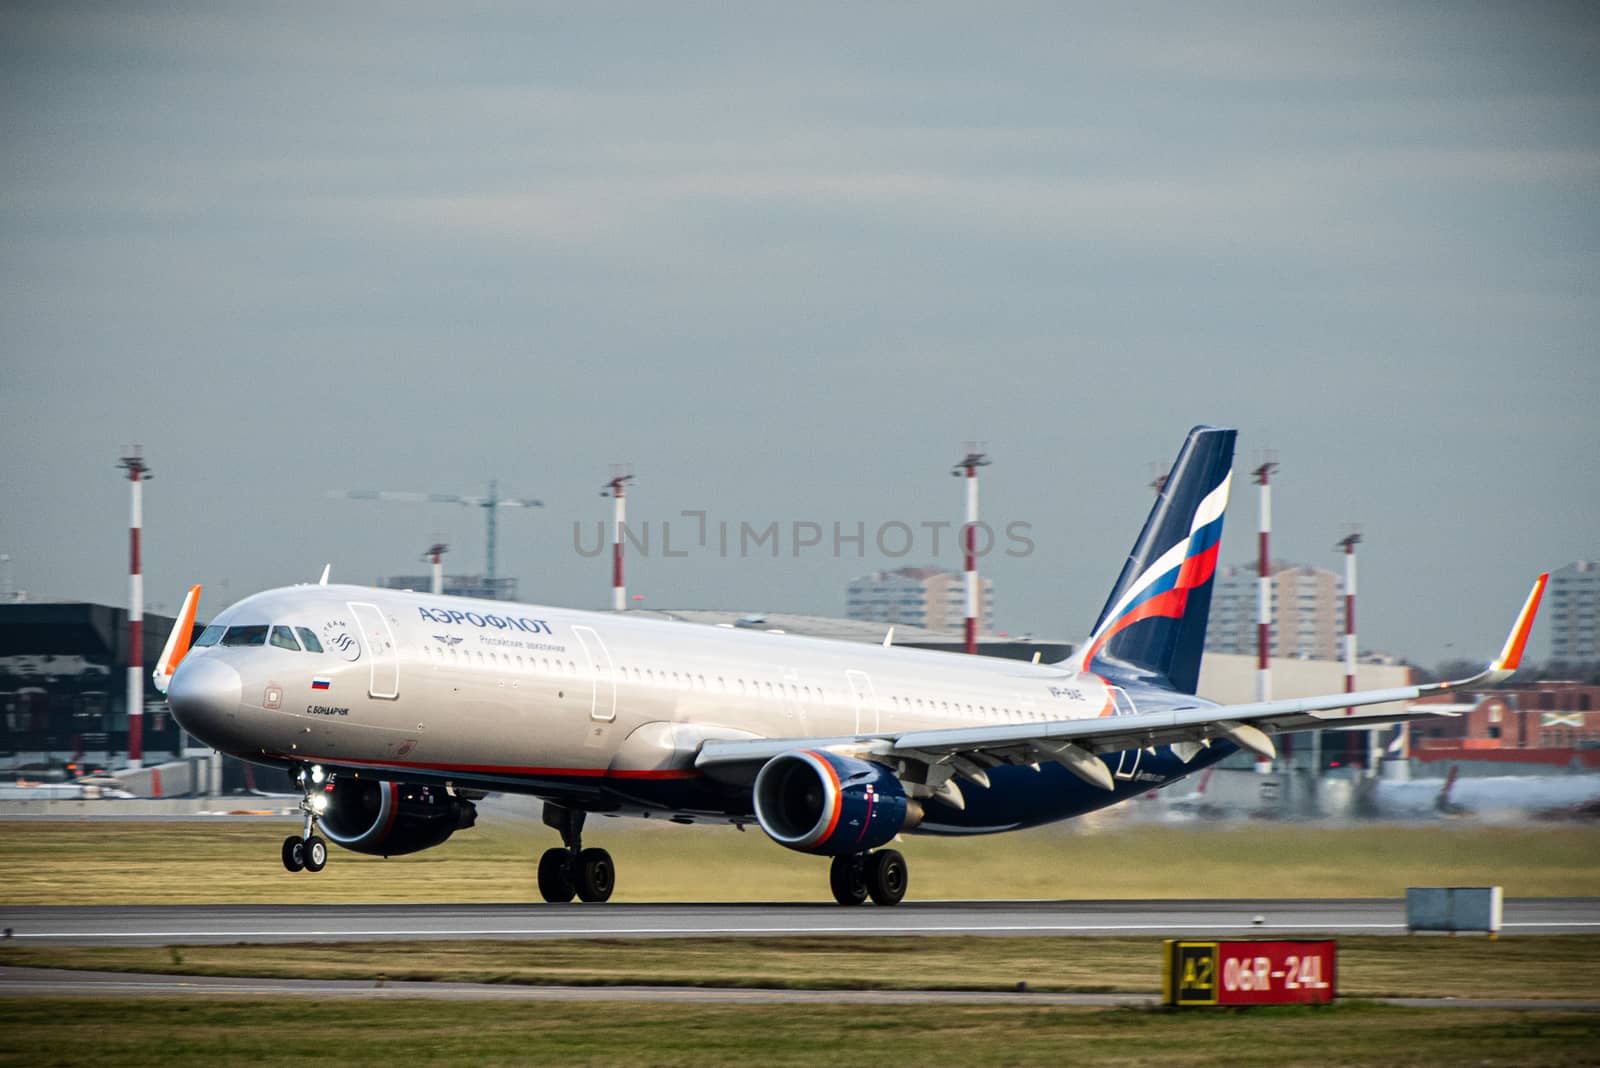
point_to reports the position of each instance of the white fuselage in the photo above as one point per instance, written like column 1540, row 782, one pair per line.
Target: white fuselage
column 509, row 696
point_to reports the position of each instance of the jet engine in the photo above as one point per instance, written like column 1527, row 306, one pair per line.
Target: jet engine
column 820, row 802
column 390, row 819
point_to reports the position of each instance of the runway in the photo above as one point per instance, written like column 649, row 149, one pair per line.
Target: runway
column 55, row 983
column 197, row 924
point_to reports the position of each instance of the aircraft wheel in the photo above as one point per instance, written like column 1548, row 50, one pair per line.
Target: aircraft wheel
column 887, row 876
column 847, row 877
column 294, row 853
column 316, row 854
column 555, row 876
column 596, row 875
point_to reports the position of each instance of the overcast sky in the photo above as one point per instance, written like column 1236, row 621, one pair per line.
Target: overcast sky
column 785, row 259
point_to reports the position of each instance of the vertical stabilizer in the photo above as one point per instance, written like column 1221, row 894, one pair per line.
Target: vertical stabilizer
column 1154, row 622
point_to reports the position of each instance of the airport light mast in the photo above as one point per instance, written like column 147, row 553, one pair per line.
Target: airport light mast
column 621, row 475
column 138, row 473
column 435, row 555
column 1263, row 475
column 1158, row 477
column 969, row 464
column 1348, row 543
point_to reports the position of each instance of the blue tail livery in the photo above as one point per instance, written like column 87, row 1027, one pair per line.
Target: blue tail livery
column 1154, row 623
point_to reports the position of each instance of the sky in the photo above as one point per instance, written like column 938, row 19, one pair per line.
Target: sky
column 785, row 260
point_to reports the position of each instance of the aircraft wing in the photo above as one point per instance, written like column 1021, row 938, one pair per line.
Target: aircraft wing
column 1076, row 743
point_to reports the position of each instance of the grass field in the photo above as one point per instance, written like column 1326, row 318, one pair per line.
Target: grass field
column 171, row 1032
column 232, row 861
column 1565, row 966
column 236, row 861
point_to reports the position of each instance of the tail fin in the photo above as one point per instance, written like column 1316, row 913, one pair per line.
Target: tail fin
column 1154, row 622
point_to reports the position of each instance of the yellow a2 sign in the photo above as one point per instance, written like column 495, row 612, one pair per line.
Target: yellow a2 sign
column 1248, row 973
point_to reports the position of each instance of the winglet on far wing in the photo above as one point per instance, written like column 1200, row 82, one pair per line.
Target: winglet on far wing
column 1511, row 655
column 1505, row 665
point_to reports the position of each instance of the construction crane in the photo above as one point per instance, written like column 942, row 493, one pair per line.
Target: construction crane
column 491, row 505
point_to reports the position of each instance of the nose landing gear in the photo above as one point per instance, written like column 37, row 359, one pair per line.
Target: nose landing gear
column 571, row 869
column 306, row 850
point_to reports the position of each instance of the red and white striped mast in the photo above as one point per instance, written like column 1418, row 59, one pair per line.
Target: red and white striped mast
column 621, row 475
column 969, row 464
column 436, row 553
column 138, row 473
column 1348, row 544
column 1263, row 475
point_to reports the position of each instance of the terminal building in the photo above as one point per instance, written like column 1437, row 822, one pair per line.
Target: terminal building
column 64, row 686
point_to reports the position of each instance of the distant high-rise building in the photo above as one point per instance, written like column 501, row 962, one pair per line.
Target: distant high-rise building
column 1307, row 612
column 921, row 596
column 1574, row 612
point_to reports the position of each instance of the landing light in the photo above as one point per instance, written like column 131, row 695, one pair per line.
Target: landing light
column 317, row 774
column 319, row 804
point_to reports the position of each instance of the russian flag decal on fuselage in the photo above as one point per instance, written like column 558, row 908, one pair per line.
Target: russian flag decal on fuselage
column 321, row 684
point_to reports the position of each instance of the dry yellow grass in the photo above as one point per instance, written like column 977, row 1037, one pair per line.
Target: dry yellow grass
column 233, row 861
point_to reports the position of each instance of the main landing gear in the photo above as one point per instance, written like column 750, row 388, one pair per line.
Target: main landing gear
column 306, row 851
column 881, row 874
column 571, row 869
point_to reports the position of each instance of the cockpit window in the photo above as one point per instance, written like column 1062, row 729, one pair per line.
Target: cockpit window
column 210, row 636
column 252, row 635
column 309, row 639
column 283, row 638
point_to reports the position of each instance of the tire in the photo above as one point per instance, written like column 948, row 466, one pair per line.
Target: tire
column 555, row 876
column 316, row 854
column 887, row 876
column 294, row 853
column 596, row 875
column 847, row 878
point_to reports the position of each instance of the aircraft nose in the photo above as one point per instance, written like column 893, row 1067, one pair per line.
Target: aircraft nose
column 203, row 694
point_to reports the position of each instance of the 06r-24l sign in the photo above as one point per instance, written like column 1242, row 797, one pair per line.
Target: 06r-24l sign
column 1248, row 973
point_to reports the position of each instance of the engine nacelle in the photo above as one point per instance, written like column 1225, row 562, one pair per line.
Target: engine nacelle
column 390, row 819
column 819, row 802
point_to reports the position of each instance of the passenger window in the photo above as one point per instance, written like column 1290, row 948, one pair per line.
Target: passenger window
column 308, row 639
column 237, row 636
column 283, row 638
column 210, row 636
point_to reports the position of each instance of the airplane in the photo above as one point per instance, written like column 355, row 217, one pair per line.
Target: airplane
column 394, row 711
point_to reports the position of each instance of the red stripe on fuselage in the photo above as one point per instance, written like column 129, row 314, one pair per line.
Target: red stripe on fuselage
column 505, row 769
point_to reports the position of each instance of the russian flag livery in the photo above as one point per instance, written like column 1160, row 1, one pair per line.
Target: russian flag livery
column 320, row 684
column 1153, row 625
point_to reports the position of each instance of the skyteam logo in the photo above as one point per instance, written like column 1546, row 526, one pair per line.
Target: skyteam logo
column 337, row 637
column 1162, row 590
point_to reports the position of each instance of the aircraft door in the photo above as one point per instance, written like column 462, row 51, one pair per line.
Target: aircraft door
column 1128, row 759
column 602, row 675
column 865, row 701
column 379, row 640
